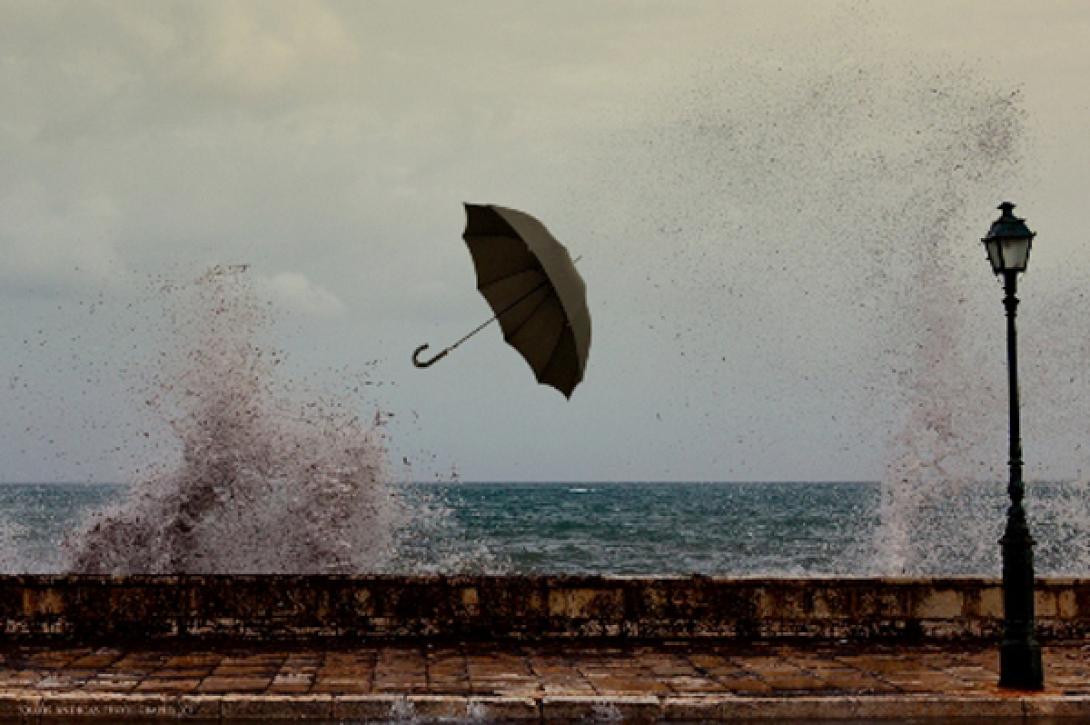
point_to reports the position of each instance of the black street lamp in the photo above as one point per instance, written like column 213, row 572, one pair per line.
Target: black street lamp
column 1008, row 243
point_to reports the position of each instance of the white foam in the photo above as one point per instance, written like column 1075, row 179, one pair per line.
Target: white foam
column 267, row 481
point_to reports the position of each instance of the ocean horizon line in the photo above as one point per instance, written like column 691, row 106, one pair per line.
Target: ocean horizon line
column 528, row 482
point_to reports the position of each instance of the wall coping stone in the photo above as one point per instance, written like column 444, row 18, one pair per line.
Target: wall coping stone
column 290, row 607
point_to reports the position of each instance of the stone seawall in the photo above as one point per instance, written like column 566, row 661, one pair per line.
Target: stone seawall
column 282, row 608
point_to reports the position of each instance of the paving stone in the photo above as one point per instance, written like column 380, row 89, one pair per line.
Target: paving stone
column 137, row 661
column 398, row 685
column 793, row 682
column 694, row 709
column 744, row 684
column 111, row 682
column 867, row 708
column 276, row 707
column 458, row 688
column 707, row 661
column 350, row 685
column 936, row 708
column 59, row 682
column 503, row 709
column 289, row 689
column 345, row 673
column 51, row 659
column 672, row 670
column 855, row 682
column 369, row 707
column 683, row 684
column 234, row 684
column 252, row 659
column 19, row 679
column 924, row 682
column 107, row 705
column 197, row 659
column 181, row 672
column 155, row 684
column 613, row 708
column 243, row 671
column 288, row 679
column 437, row 707
column 629, row 685
column 19, row 706
column 199, row 706
column 1066, row 682
column 1053, row 706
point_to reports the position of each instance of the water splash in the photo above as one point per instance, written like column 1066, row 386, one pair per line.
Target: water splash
column 265, row 480
column 12, row 537
column 828, row 223
column 934, row 454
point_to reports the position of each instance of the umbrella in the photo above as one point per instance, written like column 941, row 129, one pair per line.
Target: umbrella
column 531, row 283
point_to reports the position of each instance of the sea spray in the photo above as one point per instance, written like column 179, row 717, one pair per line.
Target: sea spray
column 12, row 536
column 936, row 455
column 265, row 481
column 824, row 210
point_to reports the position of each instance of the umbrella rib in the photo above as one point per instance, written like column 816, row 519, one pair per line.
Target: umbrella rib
column 504, row 311
column 508, row 336
column 552, row 359
column 529, row 270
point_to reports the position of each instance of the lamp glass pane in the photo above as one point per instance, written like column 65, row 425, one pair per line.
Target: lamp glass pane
column 994, row 255
column 1015, row 254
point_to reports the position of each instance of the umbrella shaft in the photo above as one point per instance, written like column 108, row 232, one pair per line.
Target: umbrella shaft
column 496, row 316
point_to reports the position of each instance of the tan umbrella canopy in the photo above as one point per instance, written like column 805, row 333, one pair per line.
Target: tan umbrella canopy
column 531, row 283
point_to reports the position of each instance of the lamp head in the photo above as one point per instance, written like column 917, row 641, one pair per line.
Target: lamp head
column 1008, row 242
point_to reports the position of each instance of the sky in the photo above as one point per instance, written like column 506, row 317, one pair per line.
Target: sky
column 778, row 206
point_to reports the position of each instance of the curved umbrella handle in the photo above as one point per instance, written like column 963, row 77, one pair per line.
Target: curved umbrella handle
column 427, row 363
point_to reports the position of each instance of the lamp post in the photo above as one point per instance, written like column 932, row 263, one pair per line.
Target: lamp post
column 1008, row 243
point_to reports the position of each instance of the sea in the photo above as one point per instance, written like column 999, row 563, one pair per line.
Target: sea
column 644, row 528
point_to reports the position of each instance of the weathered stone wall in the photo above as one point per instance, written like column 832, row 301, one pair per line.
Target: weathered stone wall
column 300, row 607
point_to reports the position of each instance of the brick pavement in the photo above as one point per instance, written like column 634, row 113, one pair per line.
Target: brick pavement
column 554, row 681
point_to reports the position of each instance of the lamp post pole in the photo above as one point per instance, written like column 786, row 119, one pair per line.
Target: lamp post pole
column 1008, row 245
column 1020, row 654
